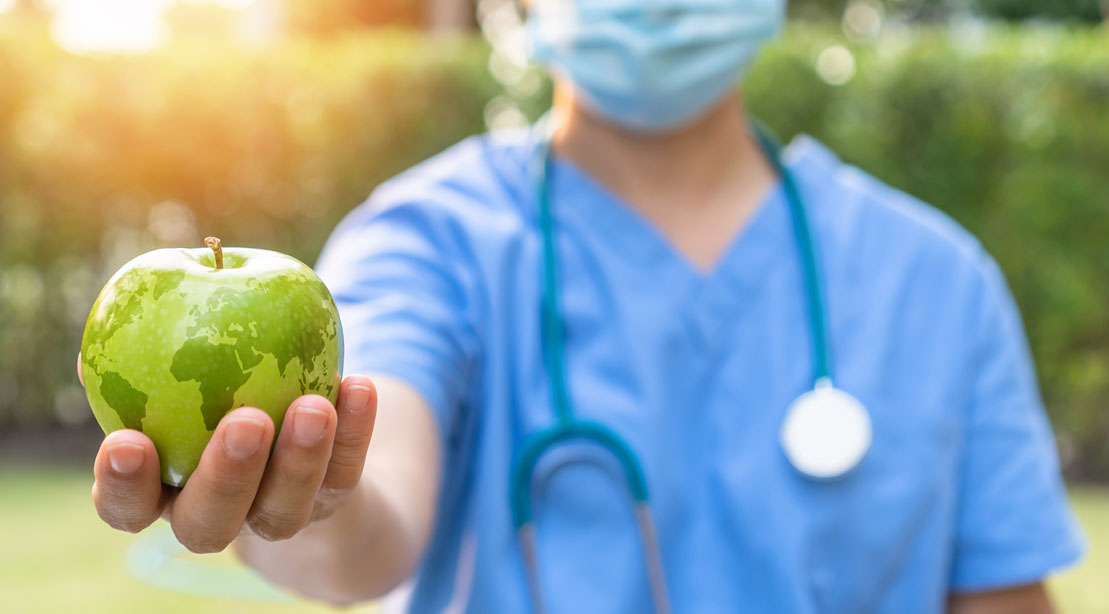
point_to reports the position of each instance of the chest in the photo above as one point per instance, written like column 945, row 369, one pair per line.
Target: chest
column 697, row 379
column 696, row 374
column 658, row 350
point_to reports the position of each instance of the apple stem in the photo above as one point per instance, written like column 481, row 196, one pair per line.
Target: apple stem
column 217, row 247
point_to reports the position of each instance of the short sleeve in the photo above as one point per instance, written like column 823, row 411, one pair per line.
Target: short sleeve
column 1014, row 523
column 400, row 278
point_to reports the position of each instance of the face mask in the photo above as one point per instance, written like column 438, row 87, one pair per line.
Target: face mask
column 651, row 65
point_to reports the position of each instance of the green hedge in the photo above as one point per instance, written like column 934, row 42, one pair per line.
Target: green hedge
column 100, row 159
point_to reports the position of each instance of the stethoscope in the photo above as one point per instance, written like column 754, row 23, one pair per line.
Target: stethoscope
column 825, row 435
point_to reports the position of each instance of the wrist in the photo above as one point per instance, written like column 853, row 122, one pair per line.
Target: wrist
column 315, row 562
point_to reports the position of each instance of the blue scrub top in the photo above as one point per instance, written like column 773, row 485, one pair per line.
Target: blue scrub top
column 437, row 282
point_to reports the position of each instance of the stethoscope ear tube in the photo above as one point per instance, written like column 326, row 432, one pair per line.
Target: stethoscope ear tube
column 652, row 554
column 604, row 438
column 526, row 536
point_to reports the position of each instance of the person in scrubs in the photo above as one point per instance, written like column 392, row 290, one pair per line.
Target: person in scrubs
column 683, row 318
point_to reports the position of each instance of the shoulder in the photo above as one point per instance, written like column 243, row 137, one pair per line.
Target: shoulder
column 880, row 228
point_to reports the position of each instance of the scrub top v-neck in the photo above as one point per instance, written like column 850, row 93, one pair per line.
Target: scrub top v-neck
column 712, row 297
column 437, row 282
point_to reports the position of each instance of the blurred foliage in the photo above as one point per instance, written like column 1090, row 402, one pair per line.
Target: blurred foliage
column 915, row 10
column 1088, row 10
column 331, row 16
column 102, row 158
column 932, row 10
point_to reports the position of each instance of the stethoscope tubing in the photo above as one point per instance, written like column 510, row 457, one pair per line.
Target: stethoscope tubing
column 568, row 427
column 814, row 284
column 648, row 533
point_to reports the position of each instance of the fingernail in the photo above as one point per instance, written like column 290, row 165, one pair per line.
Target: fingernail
column 308, row 425
column 242, row 437
column 126, row 458
column 356, row 399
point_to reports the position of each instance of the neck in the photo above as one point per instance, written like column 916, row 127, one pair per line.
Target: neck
column 689, row 164
column 699, row 186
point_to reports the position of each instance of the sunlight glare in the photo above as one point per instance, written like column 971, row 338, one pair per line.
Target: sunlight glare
column 237, row 5
column 109, row 25
column 117, row 26
column 6, row 5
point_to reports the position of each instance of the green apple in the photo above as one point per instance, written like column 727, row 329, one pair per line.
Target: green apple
column 179, row 337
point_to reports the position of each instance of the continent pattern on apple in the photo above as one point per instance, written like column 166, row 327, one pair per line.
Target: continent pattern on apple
column 170, row 354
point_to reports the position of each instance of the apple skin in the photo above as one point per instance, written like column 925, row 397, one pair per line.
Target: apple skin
column 173, row 343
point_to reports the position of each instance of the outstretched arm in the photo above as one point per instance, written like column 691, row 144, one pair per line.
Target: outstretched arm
column 327, row 515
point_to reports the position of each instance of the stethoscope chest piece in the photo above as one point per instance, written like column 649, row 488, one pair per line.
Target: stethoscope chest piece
column 826, row 433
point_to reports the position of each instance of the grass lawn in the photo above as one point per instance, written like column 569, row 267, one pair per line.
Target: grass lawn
column 56, row 556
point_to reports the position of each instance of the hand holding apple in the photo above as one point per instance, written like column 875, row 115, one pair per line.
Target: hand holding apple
column 190, row 359
column 315, row 468
column 179, row 337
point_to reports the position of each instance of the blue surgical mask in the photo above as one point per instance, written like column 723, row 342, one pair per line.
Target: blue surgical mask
column 651, row 65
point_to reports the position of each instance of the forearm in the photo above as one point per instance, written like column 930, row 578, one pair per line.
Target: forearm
column 361, row 552
column 375, row 539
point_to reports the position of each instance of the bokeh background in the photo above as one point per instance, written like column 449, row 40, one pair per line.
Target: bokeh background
column 128, row 125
